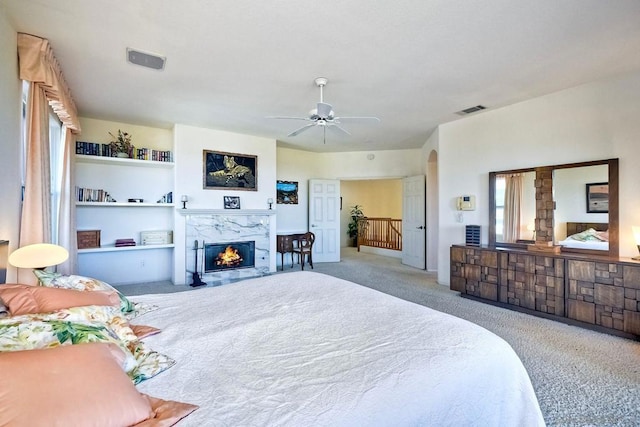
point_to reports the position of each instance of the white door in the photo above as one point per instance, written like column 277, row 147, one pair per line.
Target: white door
column 324, row 219
column 413, row 222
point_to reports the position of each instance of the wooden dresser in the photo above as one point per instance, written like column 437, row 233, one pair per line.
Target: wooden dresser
column 598, row 293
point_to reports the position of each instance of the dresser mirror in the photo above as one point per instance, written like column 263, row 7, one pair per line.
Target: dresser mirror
column 551, row 203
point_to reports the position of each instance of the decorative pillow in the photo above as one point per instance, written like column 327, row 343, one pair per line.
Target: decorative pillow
column 4, row 311
column 166, row 412
column 80, row 325
column 591, row 235
column 27, row 332
column 26, row 299
column 143, row 331
column 80, row 283
column 81, row 385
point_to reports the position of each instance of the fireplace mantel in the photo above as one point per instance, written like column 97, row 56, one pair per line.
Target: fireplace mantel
column 226, row 212
column 224, row 225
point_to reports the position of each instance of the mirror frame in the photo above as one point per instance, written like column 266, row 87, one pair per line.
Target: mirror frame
column 614, row 240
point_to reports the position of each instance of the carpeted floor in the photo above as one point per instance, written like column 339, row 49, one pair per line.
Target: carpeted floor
column 581, row 377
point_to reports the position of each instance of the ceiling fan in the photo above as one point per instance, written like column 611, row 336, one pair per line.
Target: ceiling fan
column 323, row 115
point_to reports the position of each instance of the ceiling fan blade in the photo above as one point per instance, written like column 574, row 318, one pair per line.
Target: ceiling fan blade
column 302, row 129
column 287, row 117
column 362, row 119
column 324, row 110
column 338, row 129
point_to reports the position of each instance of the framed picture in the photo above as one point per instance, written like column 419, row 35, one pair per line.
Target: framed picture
column 287, row 192
column 231, row 202
column 229, row 171
column 598, row 197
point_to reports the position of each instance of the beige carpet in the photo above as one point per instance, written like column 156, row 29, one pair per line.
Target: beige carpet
column 581, row 377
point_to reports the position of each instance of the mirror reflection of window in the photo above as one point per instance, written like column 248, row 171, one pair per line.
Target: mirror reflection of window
column 500, row 187
column 515, row 206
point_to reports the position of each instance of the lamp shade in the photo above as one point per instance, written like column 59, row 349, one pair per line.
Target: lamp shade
column 636, row 234
column 39, row 255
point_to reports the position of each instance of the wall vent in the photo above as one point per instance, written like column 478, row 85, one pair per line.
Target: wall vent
column 471, row 110
column 144, row 59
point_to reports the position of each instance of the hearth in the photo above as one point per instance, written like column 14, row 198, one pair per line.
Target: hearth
column 229, row 256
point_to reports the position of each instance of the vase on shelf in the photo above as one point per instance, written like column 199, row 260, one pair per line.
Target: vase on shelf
column 122, row 155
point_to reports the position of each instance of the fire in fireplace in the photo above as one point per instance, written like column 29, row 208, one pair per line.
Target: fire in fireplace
column 228, row 256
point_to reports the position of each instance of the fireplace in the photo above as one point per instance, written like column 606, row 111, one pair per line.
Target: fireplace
column 229, row 256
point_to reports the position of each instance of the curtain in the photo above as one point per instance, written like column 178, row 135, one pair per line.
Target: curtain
column 36, row 205
column 47, row 86
column 67, row 236
column 512, row 207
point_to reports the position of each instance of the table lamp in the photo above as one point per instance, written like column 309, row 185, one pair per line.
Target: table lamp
column 636, row 236
column 38, row 256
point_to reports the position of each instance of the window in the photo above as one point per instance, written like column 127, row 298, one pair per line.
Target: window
column 56, row 159
column 56, row 153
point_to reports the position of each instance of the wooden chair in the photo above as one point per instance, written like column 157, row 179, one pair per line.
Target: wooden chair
column 305, row 248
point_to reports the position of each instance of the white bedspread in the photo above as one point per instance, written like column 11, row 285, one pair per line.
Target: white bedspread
column 307, row 349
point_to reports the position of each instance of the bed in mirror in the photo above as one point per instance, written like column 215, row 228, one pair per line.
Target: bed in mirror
column 574, row 206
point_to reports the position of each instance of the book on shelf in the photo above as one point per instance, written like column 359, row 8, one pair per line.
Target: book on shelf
column 125, row 242
column 92, row 195
column 104, row 150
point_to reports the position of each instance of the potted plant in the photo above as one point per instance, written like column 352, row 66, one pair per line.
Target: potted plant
column 121, row 145
column 352, row 228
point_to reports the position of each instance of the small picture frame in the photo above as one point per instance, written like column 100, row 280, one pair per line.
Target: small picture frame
column 231, row 202
column 598, row 197
column 287, row 192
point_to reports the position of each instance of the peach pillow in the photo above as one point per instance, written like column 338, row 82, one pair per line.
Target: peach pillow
column 166, row 412
column 143, row 331
column 26, row 299
column 77, row 385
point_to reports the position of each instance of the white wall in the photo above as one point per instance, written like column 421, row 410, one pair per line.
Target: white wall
column 590, row 122
column 189, row 144
column 10, row 105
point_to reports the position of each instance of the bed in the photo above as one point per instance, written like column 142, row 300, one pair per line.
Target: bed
column 586, row 235
column 307, row 349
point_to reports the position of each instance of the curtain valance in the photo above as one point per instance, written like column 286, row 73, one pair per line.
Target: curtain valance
column 39, row 65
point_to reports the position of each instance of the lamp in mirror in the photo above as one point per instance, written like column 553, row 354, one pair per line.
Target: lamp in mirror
column 532, row 228
column 38, row 256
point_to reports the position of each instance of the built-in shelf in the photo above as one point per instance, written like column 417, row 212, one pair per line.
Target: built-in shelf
column 83, row 158
column 125, row 204
column 113, row 248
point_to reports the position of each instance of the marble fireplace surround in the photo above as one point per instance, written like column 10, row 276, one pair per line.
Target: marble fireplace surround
column 220, row 226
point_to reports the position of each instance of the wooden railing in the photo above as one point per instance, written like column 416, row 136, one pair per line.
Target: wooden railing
column 380, row 233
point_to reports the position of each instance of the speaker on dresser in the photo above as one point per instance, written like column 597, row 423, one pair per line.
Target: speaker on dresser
column 472, row 235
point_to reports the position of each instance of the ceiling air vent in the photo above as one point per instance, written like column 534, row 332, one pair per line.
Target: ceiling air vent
column 471, row 110
column 148, row 60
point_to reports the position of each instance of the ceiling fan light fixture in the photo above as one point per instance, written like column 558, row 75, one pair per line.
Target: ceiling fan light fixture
column 323, row 115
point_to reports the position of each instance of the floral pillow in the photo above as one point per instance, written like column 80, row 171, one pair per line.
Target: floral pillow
column 591, row 235
column 81, row 283
column 79, row 325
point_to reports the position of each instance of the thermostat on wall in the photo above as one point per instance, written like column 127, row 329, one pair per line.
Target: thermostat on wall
column 466, row 203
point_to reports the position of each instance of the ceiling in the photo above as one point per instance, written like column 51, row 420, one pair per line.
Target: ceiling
column 412, row 63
